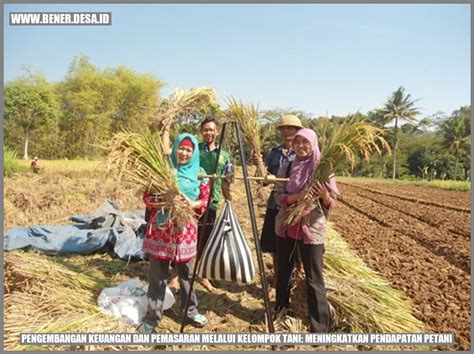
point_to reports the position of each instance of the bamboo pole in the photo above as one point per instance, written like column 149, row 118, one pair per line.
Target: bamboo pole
column 267, row 179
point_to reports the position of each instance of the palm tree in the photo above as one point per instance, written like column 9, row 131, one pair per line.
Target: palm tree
column 399, row 106
column 457, row 138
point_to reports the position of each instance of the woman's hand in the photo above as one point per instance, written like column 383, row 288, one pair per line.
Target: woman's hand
column 193, row 203
column 294, row 198
column 157, row 205
column 318, row 190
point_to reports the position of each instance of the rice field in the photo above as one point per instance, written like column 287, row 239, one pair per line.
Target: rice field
column 381, row 270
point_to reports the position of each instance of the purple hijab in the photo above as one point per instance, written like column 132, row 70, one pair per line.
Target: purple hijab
column 302, row 168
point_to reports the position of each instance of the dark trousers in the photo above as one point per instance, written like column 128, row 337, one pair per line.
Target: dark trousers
column 158, row 276
column 202, row 239
column 312, row 257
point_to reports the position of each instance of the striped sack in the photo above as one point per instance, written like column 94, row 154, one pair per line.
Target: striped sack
column 226, row 255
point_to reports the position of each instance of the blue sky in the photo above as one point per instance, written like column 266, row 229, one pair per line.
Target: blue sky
column 334, row 59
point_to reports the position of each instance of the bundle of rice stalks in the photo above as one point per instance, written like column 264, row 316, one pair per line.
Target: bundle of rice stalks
column 45, row 296
column 340, row 144
column 364, row 301
column 141, row 159
column 247, row 117
column 182, row 102
column 21, row 268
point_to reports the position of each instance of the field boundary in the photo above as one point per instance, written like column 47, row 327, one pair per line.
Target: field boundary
column 416, row 200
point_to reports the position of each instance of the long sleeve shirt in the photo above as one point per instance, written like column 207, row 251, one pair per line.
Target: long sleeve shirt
column 312, row 227
column 274, row 160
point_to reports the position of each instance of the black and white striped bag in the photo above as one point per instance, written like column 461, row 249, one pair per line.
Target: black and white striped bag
column 226, row 255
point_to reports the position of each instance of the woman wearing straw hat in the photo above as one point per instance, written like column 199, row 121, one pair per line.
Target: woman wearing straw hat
column 288, row 126
column 165, row 242
column 308, row 234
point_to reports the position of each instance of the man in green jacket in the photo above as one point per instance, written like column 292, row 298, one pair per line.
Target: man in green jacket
column 220, row 187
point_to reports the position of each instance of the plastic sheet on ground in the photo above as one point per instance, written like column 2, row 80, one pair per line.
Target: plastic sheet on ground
column 107, row 229
column 128, row 300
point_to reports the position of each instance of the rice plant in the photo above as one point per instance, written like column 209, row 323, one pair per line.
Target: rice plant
column 140, row 158
column 247, row 117
column 183, row 102
column 45, row 296
column 340, row 144
column 363, row 299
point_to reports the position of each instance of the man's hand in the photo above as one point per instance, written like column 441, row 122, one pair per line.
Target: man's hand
column 226, row 190
column 257, row 159
column 268, row 179
column 230, row 176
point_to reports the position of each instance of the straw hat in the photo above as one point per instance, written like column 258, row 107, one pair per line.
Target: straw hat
column 290, row 120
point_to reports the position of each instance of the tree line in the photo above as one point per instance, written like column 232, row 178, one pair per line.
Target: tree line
column 74, row 117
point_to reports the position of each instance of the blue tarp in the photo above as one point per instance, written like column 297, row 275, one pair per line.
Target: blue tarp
column 106, row 229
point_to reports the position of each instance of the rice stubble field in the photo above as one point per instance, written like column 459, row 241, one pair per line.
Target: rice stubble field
column 409, row 234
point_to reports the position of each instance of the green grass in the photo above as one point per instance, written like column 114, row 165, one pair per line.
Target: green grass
column 443, row 184
column 454, row 185
column 10, row 162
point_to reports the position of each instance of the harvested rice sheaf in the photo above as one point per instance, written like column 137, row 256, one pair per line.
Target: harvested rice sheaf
column 183, row 102
column 363, row 299
column 247, row 117
column 46, row 296
column 141, row 159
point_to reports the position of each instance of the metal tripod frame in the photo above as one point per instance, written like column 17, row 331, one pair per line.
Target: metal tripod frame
column 248, row 191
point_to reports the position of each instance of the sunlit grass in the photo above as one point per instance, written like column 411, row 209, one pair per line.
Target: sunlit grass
column 63, row 166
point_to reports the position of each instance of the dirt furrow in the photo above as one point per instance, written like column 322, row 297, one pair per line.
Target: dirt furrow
column 411, row 199
column 439, row 290
column 442, row 196
column 455, row 222
column 439, row 243
column 421, row 215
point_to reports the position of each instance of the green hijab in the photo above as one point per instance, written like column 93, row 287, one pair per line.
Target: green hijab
column 187, row 174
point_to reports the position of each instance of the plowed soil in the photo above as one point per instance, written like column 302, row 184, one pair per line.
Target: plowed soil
column 419, row 239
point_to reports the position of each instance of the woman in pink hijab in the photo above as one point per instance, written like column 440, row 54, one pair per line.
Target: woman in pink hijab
column 309, row 234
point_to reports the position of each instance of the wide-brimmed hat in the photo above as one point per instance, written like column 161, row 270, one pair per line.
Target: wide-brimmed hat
column 289, row 120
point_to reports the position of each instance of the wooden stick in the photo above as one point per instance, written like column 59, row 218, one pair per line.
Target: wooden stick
column 267, row 179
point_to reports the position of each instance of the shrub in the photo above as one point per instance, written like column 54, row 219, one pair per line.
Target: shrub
column 10, row 164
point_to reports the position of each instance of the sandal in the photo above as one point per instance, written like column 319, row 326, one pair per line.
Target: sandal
column 146, row 328
column 198, row 320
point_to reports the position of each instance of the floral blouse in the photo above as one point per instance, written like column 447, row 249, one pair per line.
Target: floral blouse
column 173, row 242
column 311, row 228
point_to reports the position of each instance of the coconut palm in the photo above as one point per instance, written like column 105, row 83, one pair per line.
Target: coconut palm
column 457, row 138
column 399, row 106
